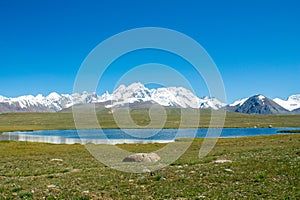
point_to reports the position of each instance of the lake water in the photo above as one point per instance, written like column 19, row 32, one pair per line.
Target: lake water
column 118, row 136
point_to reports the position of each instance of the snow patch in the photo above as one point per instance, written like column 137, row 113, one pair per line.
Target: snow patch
column 261, row 97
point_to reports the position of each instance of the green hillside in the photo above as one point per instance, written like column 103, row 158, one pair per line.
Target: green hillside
column 64, row 120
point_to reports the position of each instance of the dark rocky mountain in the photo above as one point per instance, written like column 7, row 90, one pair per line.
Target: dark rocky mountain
column 258, row 104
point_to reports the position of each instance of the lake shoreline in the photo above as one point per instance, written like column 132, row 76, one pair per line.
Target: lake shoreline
column 137, row 136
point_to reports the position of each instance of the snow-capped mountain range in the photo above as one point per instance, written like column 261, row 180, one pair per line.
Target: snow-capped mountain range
column 134, row 93
column 137, row 93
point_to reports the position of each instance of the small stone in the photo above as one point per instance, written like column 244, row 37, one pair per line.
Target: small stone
column 223, row 161
column 142, row 157
column 228, row 170
column 75, row 170
column 51, row 186
column 56, row 160
column 146, row 170
column 141, row 177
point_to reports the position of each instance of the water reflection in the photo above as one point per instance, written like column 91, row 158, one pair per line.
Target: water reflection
column 117, row 136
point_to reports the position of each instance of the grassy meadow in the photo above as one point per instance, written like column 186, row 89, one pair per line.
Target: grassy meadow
column 64, row 120
column 265, row 167
column 261, row 168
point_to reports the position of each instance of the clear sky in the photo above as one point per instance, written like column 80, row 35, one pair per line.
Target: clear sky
column 254, row 43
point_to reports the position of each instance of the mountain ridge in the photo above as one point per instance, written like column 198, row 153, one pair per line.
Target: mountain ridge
column 136, row 93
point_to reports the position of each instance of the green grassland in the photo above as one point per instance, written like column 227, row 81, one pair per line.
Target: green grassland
column 64, row 120
column 261, row 168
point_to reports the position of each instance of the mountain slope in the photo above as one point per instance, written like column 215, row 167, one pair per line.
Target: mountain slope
column 296, row 111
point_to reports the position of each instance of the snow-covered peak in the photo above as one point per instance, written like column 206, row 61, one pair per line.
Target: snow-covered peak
column 175, row 96
column 261, row 97
column 292, row 102
column 105, row 97
column 2, row 98
column 40, row 97
column 239, row 102
column 132, row 93
column 136, row 86
column 53, row 96
column 294, row 98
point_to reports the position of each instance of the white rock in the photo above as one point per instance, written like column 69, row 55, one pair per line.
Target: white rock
column 223, row 161
column 142, row 157
column 51, row 186
column 228, row 170
column 56, row 160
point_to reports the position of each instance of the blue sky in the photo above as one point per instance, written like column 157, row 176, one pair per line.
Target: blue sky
column 255, row 44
